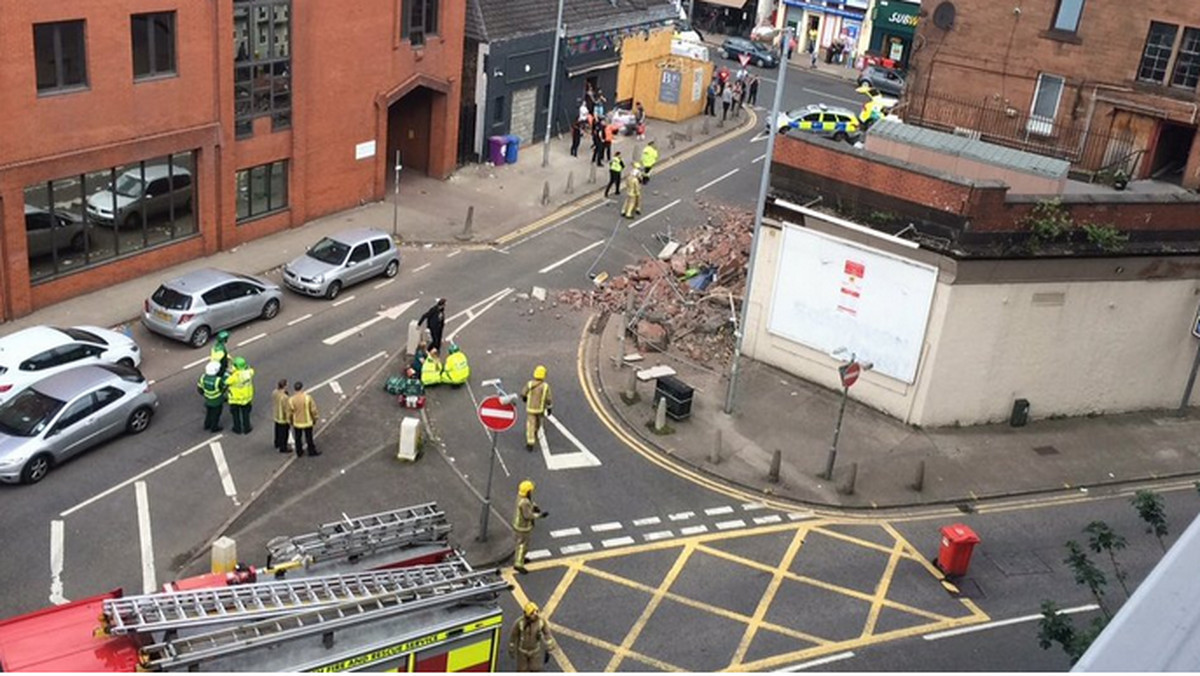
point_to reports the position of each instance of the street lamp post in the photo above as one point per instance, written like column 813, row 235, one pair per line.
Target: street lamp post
column 763, row 185
column 553, row 86
column 396, row 198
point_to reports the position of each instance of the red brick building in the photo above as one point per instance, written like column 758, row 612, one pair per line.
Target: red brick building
column 140, row 134
column 1102, row 83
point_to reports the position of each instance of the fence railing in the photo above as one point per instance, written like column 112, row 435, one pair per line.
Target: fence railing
column 1087, row 149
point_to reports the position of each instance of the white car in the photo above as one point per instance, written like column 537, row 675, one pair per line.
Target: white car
column 31, row 354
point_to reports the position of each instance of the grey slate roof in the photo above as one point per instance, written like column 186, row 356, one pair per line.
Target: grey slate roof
column 513, row 18
column 961, row 146
column 475, row 28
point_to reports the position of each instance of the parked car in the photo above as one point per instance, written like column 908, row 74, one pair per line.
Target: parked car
column 885, row 80
column 67, row 413
column 839, row 124
column 134, row 197
column 47, row 231
column 193, row 307
column 340, row 260
column 760, row 56
column 31, row 354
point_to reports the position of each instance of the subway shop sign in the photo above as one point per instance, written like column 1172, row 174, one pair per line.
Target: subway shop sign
column 897, row 14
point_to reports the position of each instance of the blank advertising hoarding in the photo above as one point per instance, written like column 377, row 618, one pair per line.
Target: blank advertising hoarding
column 832, row 293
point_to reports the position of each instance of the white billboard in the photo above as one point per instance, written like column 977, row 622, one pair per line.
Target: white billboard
column 831, row 293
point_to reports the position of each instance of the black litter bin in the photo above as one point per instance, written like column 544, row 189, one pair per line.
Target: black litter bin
column 677, row 394
column 1020, row 413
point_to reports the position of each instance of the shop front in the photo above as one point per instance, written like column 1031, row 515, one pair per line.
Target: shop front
column 893, row 25
column 833, row 28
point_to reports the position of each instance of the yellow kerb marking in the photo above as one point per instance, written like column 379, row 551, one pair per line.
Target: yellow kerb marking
column 636, row 630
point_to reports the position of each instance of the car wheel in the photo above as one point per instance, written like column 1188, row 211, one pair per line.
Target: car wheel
column 840, row 136
column 391, row 269
column 864, row 83
column 200, row 336
column 270, row 309
column 724, row 54
column 36, row 469
column 760, row 63
column 334, row 289
column 133, row 220
column 79, row 241
column 139, row 420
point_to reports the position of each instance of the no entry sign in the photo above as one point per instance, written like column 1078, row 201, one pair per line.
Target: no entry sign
column 497, row 415
column 850, row 373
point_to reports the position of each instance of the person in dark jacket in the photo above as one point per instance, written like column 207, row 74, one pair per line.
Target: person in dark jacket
column 576, row 136
column 435, row 319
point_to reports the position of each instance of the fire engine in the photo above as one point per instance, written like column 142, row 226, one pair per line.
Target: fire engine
column 381, row 592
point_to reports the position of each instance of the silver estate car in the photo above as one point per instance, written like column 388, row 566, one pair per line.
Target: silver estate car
column 193, row 307
column 68, row 413
column 340, row 260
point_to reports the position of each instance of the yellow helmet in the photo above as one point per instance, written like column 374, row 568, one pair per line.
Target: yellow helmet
column 539, row 373
column 525, row 488
column 531, row 608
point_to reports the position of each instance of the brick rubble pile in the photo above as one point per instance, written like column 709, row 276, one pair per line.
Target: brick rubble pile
column 693, row 322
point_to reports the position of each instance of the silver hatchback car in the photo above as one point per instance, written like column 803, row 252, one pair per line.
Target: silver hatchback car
column 340, row 260
column 68, row 413
column 193, row 307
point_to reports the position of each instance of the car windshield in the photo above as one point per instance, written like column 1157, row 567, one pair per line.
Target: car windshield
column 84, row 336
column 28, row 413
column 129, row 185
column 171, row 299
column 329, row 251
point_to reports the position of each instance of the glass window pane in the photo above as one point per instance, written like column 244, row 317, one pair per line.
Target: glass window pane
column 1067, row 18
column 1187, row 63
column 140, row 39
column 1048, row 91
column 164, row 42
column 74, row 53
column 101, row 235
column 431, row 16
column 1157, row 53
column 43, row 47
column 261, row 32
column 279, row 191
column 243, row 194
column 281, row 41
column 241, row 34
column 258, row 190
column 183, row 166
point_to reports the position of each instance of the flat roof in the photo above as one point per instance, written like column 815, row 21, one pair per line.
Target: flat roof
column 62, row 639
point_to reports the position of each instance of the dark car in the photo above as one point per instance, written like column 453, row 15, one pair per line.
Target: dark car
column 759, row 55
column 886, row 80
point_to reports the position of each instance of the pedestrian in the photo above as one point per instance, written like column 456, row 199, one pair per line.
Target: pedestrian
column 219, row 353
column 615, row 168
column 435, row 319
column 302, row 411
column 597, row 143
column 639, row 120
column 736, row 104
column 212, row 386
column 649, row 157
column 530, row 643
column 241, row 395
column 710, row 99
column 610, row 132
column 601, row 103
column 633, row 192
column 524, row 516
column 753, row 98
column 584, row 112
column 538, row 403
column 726, row 101
column 281, row 412
column 414, row 369
column 740, row 75
column 576, row 136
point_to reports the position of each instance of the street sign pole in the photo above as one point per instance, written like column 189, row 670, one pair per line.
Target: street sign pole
column 396, row 198
column 837, row 431
column 487, row 495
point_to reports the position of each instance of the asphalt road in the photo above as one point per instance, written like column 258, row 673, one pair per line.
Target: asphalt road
column 632, row 551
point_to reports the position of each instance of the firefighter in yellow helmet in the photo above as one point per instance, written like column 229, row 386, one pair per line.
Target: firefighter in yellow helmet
column 530, row 642
column 538, row 403
column 524, row 516
column 633, row 192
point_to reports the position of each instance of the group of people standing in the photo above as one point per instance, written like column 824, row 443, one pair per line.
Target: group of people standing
column 634, row 180
column 733, row 91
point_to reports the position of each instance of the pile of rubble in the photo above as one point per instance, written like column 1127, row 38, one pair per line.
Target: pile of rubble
column 686, row 300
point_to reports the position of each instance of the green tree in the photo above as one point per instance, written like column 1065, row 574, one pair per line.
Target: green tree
column 1087, row 574
column 1055, row 627
column 1104, row 539
column 1149, row 506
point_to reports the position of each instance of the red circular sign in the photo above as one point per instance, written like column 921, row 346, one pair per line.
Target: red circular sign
column 496, row 415
column 850, row 373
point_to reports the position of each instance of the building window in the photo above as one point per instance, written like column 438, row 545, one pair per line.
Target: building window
column 262, row 81
column 1187, row 62
column 153, row 38
column 420, row 18
column 1066, row 17
column 1045, row 104
column 498, row 110
column 1157, row 54
column 81, row 221
column 262, row 190
column 60, row 54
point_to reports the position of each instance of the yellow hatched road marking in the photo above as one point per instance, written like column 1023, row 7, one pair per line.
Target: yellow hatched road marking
column 636, row 630
column 601, row 643
column 885, row 583
column 768, row 597
column 865, row 544
column 564, row 663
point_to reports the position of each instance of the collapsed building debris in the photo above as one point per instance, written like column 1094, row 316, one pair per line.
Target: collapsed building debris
column 689, row 302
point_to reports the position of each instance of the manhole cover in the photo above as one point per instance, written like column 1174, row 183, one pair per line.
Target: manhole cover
column 1045, row 450
column 1019, row 563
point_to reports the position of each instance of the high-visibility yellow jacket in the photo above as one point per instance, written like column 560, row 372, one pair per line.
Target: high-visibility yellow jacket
column 213, row 389
column 617, row 165
column 218, row 352
column 280, row 408
column 457, row 370
column 649, row 156
column 241, row 386
column 303, row 410
column 537, row 396
column 431, row 371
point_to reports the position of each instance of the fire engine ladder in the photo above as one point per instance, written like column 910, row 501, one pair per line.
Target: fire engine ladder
column 191, row 651
column 355, row 537
column 176, row 610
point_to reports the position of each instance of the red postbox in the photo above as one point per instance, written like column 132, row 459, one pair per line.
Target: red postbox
column 958, row 541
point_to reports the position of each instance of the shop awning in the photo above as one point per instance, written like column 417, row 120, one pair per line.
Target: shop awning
column 592, row 67
column 735, row 4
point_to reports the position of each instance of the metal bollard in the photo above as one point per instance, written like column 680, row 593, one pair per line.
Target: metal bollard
column 671, row 141
column 715, row 457
column 466, row 235
column 704, row 126
column 545, row 193
column 689, row 132
column 660, row 416
column 592, row 174
column 571, row 183
column 776, row 461
column 918, row 483
column 848, row 487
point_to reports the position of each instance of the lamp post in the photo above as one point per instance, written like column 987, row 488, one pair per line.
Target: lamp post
column 763, row 185
column 849, row 373
column 558, row 30
column 396, row 198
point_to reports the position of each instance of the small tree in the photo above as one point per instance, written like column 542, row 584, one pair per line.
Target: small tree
column 1054, row 627
column 1149, row 506
column 1087, row 574
column 1104, row 539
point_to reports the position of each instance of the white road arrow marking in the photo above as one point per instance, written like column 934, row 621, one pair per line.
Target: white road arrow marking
column 390, row 313
column 580, row 458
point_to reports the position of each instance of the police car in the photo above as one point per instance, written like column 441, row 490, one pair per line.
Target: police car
column 839, row 124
